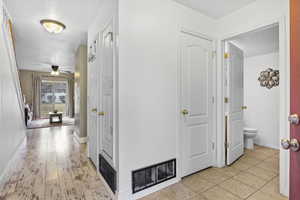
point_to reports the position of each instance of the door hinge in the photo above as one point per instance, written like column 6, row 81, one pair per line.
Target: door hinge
column 226, row 55
column 111, row 36
column 214, row 53
column 213, row 146
column 213, row 100
column 226, row 144
column 226, row 100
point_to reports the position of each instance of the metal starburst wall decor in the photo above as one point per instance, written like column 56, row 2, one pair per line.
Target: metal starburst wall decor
column 269, row 78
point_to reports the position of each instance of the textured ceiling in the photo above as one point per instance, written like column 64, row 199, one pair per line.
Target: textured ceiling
column 37, row 49
column 215, row 8
column 258, row 42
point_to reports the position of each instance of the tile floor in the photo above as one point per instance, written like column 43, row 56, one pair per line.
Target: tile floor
column 253, row 177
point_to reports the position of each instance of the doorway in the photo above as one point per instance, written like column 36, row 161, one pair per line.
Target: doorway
column 196, row 98
column 102, row 105
column 107, row 95
column 252, row 80
column 264, row 105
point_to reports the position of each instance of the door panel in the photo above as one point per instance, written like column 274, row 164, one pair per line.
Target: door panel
column 107, row 95
column 295, row 97
column 196, row 99
column 235, row 90
column 199, row 136
column 92, row 98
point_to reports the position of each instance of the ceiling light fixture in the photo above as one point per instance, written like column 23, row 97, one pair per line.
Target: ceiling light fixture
column 53, row 26
column 55, row 71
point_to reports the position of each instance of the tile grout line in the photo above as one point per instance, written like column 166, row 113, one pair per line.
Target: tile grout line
column 235, row 194
column 260, row 189
column 256, row 190
column 232, row 177
column 256, row 165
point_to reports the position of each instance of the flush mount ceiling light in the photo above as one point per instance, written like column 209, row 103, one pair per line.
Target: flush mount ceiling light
column 55, row 71
column 53, row 26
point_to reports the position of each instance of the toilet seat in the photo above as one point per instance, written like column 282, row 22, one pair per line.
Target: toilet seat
column 250, row 130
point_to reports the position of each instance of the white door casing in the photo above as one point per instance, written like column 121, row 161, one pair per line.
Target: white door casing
column 107, row 95
column 235, row 92
column 196, row 61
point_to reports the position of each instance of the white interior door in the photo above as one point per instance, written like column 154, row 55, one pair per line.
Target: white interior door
column 235, row 90
column 196, row 103
column 108, row 95
column 93, row 108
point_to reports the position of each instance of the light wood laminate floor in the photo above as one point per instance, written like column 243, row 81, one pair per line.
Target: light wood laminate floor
column 52, row 165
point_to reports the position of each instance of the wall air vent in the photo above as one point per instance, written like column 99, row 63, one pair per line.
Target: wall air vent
column 153, row 175
column 108, row 173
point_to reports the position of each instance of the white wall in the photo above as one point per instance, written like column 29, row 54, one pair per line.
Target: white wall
column 254, row 14
column 11, row 122
column 263, row 104
column 148, row 72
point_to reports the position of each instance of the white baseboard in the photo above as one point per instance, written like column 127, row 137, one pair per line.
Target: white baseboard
column 5, row 174
column 81, row 140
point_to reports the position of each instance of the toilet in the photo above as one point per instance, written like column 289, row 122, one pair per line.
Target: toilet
column 249, row 136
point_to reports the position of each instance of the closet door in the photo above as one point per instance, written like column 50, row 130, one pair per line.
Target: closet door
column 196, row 103
column 93, row 145
column 107, row 95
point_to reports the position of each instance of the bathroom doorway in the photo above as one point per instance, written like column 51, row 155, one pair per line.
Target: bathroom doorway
column 251, row 89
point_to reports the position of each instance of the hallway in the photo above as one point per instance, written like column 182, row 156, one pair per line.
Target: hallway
column 52, row 165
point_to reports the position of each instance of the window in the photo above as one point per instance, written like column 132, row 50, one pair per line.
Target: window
column 54, row 95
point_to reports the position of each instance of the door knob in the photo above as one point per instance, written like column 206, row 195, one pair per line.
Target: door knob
column 285, row 143
column 294, row 119
column 185, row 112
column 101, row 113
column 94, row 110
column 292, row 144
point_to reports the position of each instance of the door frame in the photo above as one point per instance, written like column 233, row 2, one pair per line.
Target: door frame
column 96, row 37
column 112, row 23
column 179, row 140
column 99, row 37
column 284, row 87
